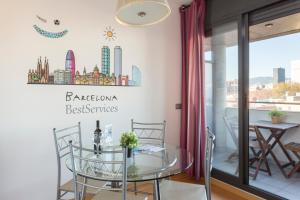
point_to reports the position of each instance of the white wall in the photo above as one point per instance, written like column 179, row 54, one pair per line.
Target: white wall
column 29, row 112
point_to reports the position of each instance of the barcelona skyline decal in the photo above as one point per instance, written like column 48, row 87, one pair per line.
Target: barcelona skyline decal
column 71, row 75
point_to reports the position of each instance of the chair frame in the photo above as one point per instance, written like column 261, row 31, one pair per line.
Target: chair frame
column 231, row 129
column 160, row 141
column 294, row 148
column 209, row 146
column 261, row 155
column 177, row 189
column 79, row 195
column 138, row 126
column 61, row 147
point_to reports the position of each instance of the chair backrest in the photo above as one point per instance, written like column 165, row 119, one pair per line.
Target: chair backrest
column 209, row 146
column 61, row 141
column 112, row 163
column 150, row 133
column 232, row 128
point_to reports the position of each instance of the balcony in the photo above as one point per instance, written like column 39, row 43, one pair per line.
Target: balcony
column 226, row 156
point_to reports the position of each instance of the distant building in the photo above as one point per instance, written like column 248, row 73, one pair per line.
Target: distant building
column 68, row 77
column 51, row 79
column 94, row 78
column 59, row 76
column 41, row 74
column 62, row 77
column 278, row 75
column 232, row 87
column 105, row 60
column 136, row 76
column 118, row 61
column 295, row 71
column 123, row 80
column 81, row 79
column 70, row 64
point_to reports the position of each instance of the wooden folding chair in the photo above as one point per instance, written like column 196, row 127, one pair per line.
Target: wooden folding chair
column 259, row 148
column 295, row 148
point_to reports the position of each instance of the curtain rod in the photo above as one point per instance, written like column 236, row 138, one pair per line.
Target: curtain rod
column 183, row 7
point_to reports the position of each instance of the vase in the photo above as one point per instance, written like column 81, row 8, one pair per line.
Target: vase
column 276, row 120
column 129, row 153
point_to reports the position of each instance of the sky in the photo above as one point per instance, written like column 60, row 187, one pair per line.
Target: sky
column 265, row 55
column 276, row 52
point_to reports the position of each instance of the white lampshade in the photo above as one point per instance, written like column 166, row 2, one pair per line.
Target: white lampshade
column 142, row 12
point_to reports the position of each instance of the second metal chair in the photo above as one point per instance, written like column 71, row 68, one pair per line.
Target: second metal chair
column 88, row 165
column 61, row 140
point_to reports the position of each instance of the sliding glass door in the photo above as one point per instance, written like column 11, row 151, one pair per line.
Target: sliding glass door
column 274, row 88
column 253, row 72
column 222, row 96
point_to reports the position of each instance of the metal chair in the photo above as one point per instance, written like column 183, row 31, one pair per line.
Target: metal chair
column 174, row 190
column 149, row 133
column 112, row 163
column 61, row 140
column 209, row 147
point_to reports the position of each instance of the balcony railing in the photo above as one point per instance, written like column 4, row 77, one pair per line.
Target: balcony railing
column 267, row 105
column 280, row 103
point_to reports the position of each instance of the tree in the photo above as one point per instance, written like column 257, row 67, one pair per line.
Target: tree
column 281, row 89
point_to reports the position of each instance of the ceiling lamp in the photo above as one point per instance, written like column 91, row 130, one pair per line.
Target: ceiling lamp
column 142, row 12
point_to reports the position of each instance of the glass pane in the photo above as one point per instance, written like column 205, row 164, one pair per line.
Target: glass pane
column 222, row 95
column 274, row 86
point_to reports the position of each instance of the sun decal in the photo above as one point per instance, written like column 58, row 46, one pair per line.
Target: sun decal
column 110, row 34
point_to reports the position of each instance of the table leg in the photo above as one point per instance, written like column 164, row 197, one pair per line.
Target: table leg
column 276, row 134
column 83, row 191
column 276, row 137
column 156, row 191
column 278, row 164
column 267, row 141
column 283, row 149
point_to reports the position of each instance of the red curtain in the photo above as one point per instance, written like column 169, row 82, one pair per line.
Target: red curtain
column 192, row 136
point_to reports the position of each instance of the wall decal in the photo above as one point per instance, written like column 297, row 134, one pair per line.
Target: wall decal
column 77, row 103
column 56, row 22
column 49, row 34
column 41, row 19
column 72, row 76
column 110, row 34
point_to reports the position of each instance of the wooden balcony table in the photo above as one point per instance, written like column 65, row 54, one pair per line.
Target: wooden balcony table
column 276, row 133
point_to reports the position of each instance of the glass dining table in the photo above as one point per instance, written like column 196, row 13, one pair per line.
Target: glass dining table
column 142, row 166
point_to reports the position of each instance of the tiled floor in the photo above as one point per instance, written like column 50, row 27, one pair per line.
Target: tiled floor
column 276, row 184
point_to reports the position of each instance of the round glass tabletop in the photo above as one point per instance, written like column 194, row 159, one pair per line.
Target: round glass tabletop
column 144, row 165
